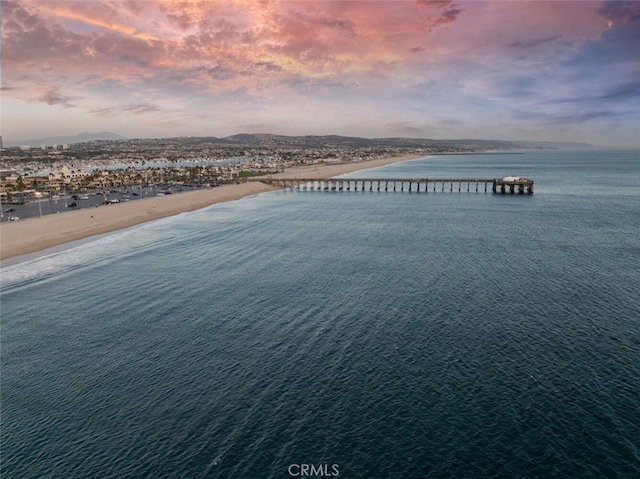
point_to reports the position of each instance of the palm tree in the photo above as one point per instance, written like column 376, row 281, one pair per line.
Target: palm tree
column 20, row 186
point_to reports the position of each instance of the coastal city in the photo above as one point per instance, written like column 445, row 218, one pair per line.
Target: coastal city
column 35, row 181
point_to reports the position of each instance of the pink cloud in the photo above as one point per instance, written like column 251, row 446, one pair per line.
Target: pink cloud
column 448, row 11
column 311, row 38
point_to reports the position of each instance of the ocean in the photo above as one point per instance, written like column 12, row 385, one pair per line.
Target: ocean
column 341, row 334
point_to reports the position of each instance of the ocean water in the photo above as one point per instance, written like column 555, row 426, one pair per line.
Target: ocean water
column 341, row 334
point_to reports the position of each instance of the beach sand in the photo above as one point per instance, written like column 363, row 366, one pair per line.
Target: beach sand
column 36, row 234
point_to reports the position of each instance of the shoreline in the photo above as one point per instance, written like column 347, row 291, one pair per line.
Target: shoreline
column 34, row 235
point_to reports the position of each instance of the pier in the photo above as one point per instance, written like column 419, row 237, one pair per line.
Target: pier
column 507, row 185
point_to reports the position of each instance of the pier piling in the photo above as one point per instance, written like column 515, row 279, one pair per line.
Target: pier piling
column 510, row 185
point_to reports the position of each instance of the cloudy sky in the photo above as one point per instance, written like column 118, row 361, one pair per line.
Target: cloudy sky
column 551, row 70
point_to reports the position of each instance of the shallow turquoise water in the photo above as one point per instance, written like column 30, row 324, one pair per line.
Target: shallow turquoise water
column 389, row 334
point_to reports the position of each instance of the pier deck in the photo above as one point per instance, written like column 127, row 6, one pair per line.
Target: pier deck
column 503, row 186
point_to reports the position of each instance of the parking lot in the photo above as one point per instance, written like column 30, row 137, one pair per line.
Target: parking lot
column 90, row 199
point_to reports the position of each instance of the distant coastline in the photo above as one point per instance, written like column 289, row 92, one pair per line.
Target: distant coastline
column 308, row 141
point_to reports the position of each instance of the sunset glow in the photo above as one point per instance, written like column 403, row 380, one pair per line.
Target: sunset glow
column 433, row 69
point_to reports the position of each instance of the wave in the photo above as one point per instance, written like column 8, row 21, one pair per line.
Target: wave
column 79, row 255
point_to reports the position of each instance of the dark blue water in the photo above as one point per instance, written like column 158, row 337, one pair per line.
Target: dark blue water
column 376, row 335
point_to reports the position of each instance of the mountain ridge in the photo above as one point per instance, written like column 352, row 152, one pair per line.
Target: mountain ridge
column 311, row 141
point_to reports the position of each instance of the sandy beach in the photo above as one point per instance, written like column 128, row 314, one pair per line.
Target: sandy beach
column 36, row 234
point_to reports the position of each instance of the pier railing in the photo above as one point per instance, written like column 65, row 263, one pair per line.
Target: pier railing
column 504, row 186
